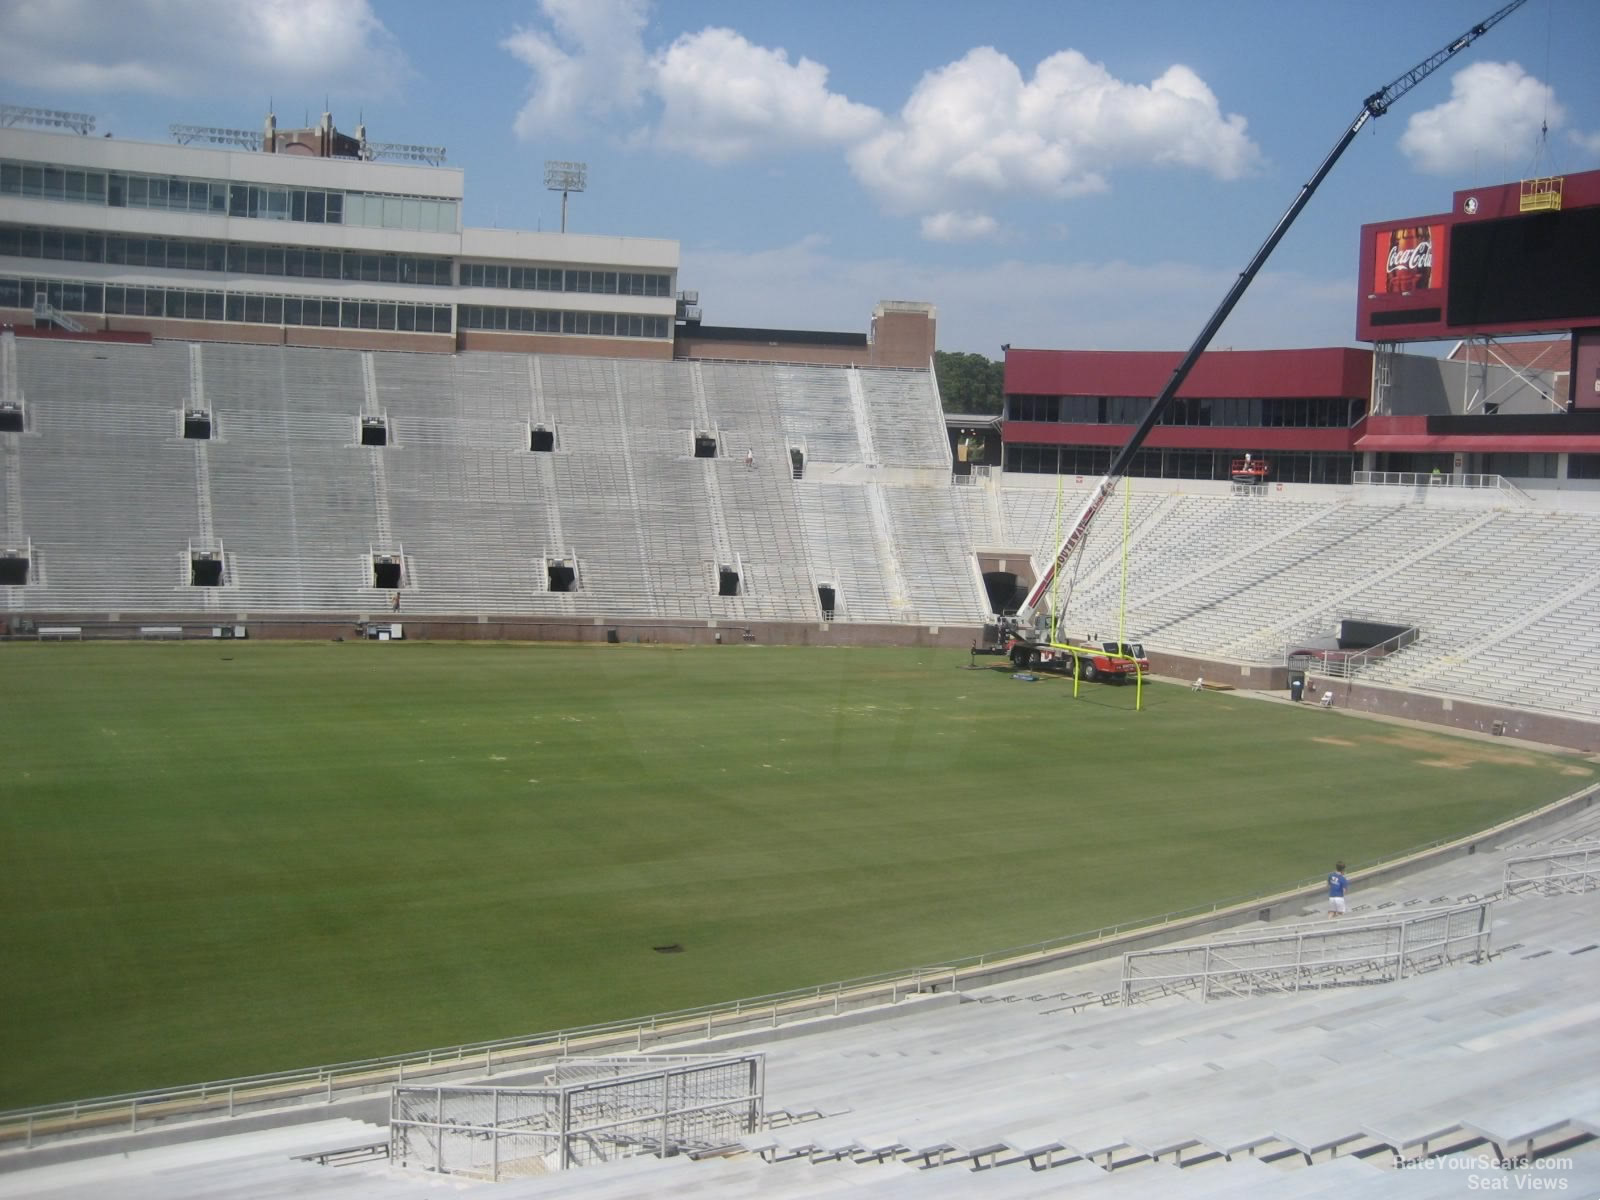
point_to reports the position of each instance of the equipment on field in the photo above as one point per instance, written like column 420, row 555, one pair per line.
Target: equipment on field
column 1032, row 627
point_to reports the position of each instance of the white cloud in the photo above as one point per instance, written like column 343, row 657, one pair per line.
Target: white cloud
column 972, row 132
column 1083, row 305
column 1588, row 142
column 177, row 47
column 1494, row 114
column 976, row 129
column 958, row 226
column 591, row 63
column 724, row 98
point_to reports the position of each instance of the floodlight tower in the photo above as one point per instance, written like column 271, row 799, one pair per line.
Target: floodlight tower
column 565, row 177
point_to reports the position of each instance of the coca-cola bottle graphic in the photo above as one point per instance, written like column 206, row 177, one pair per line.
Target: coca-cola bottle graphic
column 1410, row 263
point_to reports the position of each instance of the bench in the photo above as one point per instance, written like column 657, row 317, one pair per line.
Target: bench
column 346, row 1154
column 161, row 631
column 59, row 632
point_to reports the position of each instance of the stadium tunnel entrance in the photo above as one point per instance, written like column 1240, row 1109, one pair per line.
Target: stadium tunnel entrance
column 827, row 599
column 205, row 569
column 387, row 570
column 13, row 568
column 561, row 575
column 1006, row 579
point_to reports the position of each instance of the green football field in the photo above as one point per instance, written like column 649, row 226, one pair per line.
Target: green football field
column 229, row 858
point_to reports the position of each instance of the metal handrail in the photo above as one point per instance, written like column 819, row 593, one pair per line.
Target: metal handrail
column 1574, row 867
column 1288, row 972
column 784, row 362
column 1421, row 479
column 1346, row 666
column 226, row 1096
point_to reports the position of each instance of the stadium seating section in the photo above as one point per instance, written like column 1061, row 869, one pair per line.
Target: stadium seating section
column 114, row 500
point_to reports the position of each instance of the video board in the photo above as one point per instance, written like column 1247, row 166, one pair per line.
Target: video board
column 1513, row 258
column 1540, row 267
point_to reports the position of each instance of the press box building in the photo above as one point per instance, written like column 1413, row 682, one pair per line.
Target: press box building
column 299, row 237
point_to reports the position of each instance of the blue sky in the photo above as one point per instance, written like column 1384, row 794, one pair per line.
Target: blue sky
column 1077, row 175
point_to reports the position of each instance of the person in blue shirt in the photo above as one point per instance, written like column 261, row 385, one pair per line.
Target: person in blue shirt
column 1337, row 884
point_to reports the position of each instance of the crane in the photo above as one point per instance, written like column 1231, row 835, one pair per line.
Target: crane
column 1029, row 624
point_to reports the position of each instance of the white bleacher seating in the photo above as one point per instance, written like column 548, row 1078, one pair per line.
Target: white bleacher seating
column 112, row 499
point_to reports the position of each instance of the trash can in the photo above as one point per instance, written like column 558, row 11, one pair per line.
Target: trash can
column 1297, row 685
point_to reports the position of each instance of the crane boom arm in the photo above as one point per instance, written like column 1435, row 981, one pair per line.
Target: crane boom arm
column 1375, row 105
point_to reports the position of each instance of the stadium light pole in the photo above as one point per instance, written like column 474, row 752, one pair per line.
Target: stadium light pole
column 565, row 177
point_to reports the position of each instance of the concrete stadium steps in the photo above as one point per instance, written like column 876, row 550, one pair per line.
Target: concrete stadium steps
column 906, row 423
column 816, row 412
column 765, row 528
column 111, row 526
column 475, row 526
column 1267, row 1078
column 494, row 389
column 941, row 575
column 107, row 486
column 741, row 403
column 678, row 534
column 600, row 522
column 844, row 548
column 979, row 518
column 95, row 373
column 262, row 1163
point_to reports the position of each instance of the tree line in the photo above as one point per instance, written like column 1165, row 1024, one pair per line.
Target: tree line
column 969, row 383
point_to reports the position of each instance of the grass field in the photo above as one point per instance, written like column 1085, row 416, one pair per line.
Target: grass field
column 220, row 858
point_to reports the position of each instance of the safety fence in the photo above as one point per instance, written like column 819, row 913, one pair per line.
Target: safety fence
column 1334, row 954
column 1575, row 868
column 1438, row 479
column 586, row 1111
column 1345, row 664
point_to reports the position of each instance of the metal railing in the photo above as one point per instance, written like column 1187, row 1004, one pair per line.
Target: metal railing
column 1334, row 955
column 1422, row 479
column 1345, row 664
column 1573, row 869
column 784, row 362
column 620, row 1109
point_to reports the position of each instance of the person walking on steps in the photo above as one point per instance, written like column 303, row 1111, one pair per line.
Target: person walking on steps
column 1337, row 886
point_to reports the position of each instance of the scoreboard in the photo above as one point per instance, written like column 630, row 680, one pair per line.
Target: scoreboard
column 1510, row 259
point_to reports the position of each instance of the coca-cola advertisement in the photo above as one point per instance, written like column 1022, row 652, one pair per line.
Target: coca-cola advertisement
column 1404, row 259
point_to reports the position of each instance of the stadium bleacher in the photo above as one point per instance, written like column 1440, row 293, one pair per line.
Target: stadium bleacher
column 1505, row 600
column 113, row 499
